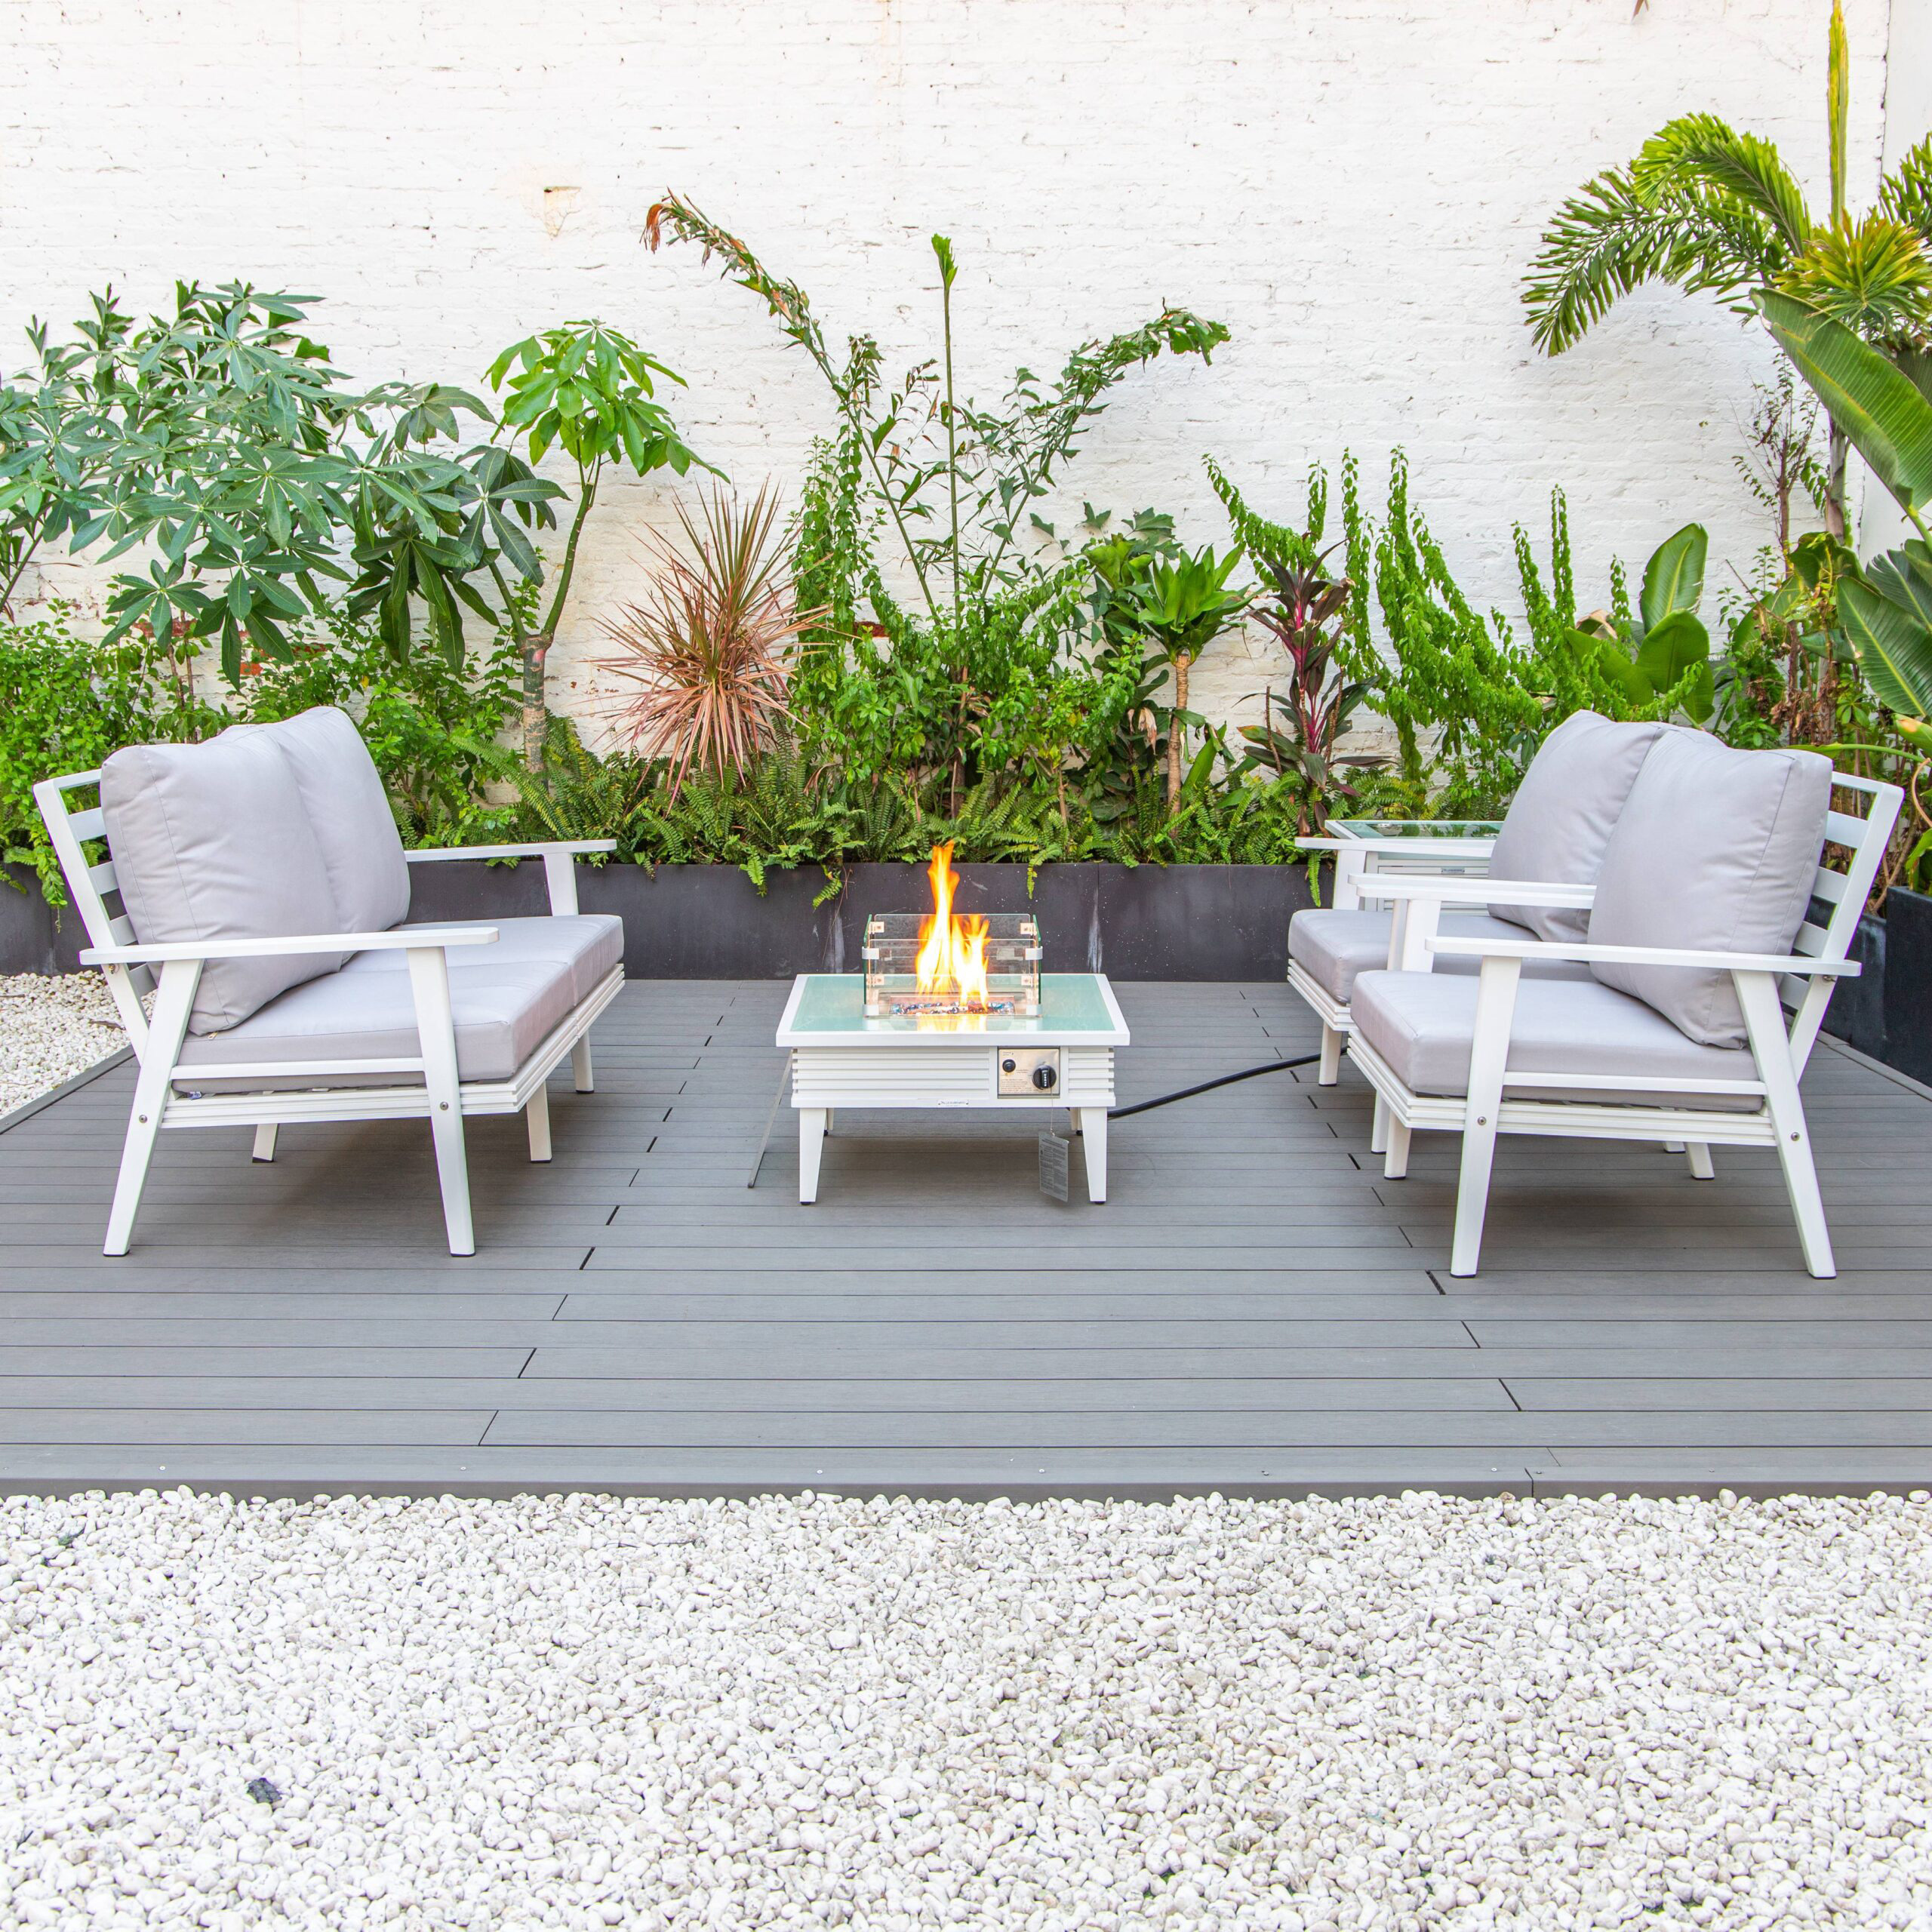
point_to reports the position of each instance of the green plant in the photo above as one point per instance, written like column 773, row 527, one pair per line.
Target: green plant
column 1659, row 654
column 434, row 729
column 587, row 390
column 223, row 442
column 1715, row 211
column 1886, row 608
column 980, row 672
column 1180, row 607
column 66, row 703
column 710, row 651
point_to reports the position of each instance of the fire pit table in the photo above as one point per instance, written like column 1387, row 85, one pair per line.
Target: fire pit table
column 910, row 1053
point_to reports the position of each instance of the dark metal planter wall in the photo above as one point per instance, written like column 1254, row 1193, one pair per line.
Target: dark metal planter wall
column 1908, row 983
column 1143, row 922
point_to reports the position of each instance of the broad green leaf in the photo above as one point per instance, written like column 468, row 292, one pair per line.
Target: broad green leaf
column 1904, row 577
column 1674, row 578
column 1894, row 649
column 1670, row 650
column 1868, row 396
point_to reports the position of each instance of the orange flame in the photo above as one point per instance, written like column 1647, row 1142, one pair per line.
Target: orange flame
column 952, row 951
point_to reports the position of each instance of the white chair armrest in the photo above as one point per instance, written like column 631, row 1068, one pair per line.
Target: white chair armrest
column 1464, row 891
column 559, row 857
column 537, row 849
column 418, row 939
column 1460, row 948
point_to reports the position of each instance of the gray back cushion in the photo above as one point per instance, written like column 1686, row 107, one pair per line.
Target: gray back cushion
column 213, row 841
column 1716, row 850
column 350, row 813
column 1561, row 818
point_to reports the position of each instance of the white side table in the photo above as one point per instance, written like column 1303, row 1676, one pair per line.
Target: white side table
column 1063, row 1058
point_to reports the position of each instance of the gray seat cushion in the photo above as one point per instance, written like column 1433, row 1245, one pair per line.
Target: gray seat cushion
column 1331, row 947
column 1559, row 822
column 504, row 1010
column 1716, row 850
column 350, row 813
column 1423, row 1024
column 213, row 841
column 590, row 944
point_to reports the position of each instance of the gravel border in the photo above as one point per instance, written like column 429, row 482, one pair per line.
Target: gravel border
column 575, row 1712
column 55, row 1029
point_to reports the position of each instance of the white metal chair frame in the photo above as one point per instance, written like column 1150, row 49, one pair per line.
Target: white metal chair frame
column 442, row 1098
column 1764, row 983
column 1360, row 866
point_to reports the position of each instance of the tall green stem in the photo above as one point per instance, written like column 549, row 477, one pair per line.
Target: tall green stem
column 535, row 648
column 951, row 433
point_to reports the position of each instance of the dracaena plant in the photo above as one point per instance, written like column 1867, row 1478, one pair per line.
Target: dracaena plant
column 705, row 656
column 1712, row 210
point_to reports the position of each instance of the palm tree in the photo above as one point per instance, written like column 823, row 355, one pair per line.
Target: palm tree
column 1713, row 210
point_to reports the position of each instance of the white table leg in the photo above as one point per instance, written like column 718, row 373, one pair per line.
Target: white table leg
column 812, row 1143
column 1093, row 1143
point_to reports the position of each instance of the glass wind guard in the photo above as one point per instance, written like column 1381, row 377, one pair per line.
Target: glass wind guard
column 988, row 963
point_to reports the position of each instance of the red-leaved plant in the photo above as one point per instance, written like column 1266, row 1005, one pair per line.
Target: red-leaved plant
column 708, row 652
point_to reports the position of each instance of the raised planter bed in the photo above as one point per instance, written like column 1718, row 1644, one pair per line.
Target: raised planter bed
column 1133, row 922
column 1143, row 922
column 704, row 922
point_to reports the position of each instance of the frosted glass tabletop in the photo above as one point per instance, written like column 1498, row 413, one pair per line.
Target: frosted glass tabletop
column 828, row 1009
column 1372, row 831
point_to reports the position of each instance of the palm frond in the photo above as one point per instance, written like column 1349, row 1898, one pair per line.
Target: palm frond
column 1608, row 240
column 1872, row 275
column 1905, row 194
column 1700, row 151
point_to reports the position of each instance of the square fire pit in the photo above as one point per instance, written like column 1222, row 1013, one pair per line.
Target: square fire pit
column 997, row 1055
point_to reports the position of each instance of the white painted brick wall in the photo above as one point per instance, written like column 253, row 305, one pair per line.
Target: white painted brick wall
column 1353, row 186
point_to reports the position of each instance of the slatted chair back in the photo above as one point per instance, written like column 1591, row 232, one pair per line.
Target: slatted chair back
column 91, row 884
column 1865, row 837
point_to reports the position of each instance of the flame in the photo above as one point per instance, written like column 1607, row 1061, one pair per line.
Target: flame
column 952, row 951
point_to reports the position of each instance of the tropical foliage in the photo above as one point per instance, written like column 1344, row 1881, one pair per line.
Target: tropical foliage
column 1715, row 211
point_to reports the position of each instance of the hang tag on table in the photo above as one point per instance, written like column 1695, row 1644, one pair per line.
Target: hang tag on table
column 1053, row 1152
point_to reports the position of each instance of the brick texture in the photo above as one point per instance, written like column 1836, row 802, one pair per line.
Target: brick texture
column 1353, row 186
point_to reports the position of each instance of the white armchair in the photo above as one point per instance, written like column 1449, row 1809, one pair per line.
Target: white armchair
column 265, row 894
column 1620, row 1036
column 1558, row 826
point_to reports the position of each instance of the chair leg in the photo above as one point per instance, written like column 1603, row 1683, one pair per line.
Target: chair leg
column 436, row 1030
column 1764, row 1021
column 1329, row 1071
column 580, row 1066
column 1489, row 1055
column 174, row 999
column 537, row 1116
column 1702, row 1167
column 265, row 1135
column 1378, row 1127
column 1396, row 1164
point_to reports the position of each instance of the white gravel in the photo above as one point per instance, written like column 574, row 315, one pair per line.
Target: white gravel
column 52, row 1026
column 579, row 1712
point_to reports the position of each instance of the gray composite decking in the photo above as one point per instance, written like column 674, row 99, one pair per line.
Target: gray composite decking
column 1256, row 1310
